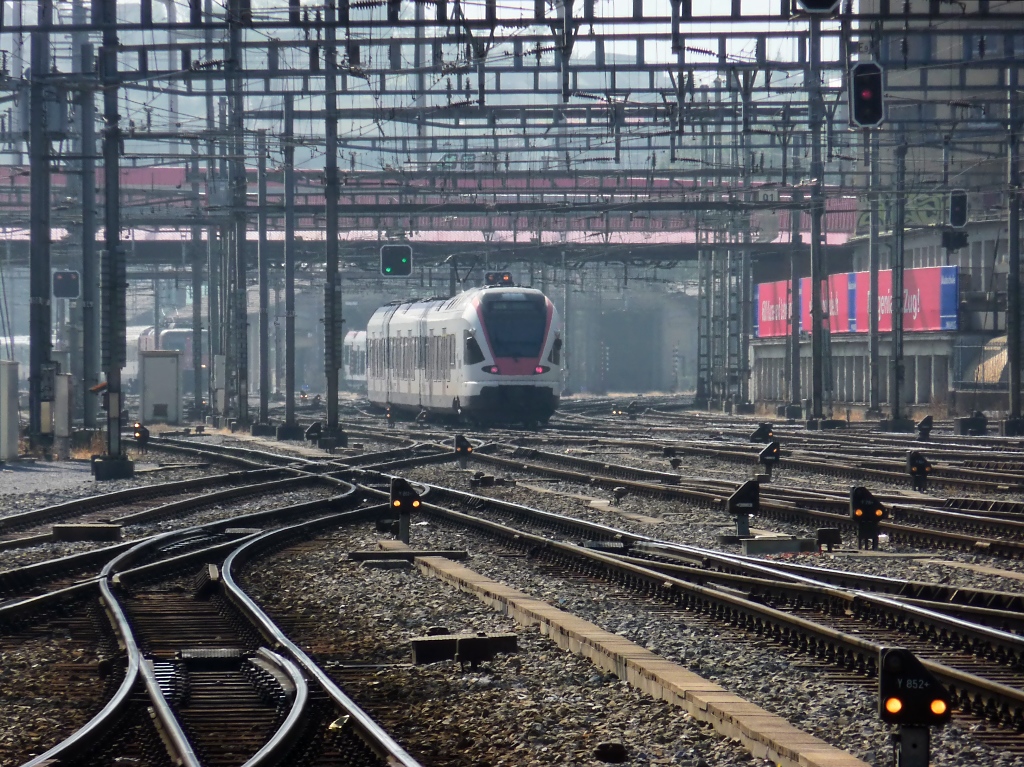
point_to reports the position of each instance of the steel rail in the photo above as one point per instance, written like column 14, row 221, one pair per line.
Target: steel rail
column 236, row 453
column 172, row 734
column 375, row 737
column 791, row 511
column 91, row 502
column 972, row 692
column 1011, row 645
column 99, row 726
column 290, row 730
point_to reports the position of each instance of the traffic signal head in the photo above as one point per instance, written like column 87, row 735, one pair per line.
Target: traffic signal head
column 864, row 507
column 396, row 260
column 958, row 208
column 403, row 497
column 818, row 6
column 771, row 453
column 462, row 445
column 867, row 108
column 908, row 693
column 917, row 464
column 66, row 285
column 746, row 499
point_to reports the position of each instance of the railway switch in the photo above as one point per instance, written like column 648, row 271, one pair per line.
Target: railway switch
column 741, row 504
column 763, row 433
column 918, row 467
column 463, row 449
column 404, row 500
column 866, row 511
column 924, row 429
column 910, row 696
column 769, row 456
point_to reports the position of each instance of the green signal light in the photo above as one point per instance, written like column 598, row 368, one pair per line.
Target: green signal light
column 405, row 260
column 387, row 269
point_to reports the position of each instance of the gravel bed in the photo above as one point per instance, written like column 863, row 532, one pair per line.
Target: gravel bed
column 301, row 449
column 540, row 706
column 787, row 683
column 13, row 558
column 32, row 485
column 49, row 685
column 681, row 523
column 697, row 466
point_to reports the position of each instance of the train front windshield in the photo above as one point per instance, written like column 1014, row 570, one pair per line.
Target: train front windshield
column 515, row 323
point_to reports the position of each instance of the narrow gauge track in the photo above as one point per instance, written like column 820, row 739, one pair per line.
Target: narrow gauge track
column 946, row 529
column 218, row 694
column 997, row 697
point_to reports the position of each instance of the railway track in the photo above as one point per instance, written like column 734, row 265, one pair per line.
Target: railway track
column 200, row 649
column 836, row 616
column 815, row 626
column 912, row 524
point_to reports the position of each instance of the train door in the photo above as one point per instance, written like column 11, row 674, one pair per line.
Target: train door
column 421, row 360
column 389, row 355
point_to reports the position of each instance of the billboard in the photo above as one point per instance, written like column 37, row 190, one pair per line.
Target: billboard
column 931, row 298
column 772, row 309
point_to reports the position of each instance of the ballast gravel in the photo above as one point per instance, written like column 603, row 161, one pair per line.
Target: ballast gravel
column 539, row 706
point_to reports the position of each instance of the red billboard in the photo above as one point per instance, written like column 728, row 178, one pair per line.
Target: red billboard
column 771, row 315
column 930, row 302
column 930, row 297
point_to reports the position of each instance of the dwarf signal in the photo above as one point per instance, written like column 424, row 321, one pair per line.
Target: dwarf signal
column 866, row 511
column 463, row 449
column 141, row 434
column 918, row 467
column 744, row 502
column 910, row 696
column 763, row 433
column 769, row 456
column 403, row 497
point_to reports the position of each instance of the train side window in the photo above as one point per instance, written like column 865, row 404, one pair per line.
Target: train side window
column 473, row 353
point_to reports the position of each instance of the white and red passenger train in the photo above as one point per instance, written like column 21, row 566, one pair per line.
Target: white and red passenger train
column 489, row 355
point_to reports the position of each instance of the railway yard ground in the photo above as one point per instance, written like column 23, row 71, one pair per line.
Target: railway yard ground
column 570, row 595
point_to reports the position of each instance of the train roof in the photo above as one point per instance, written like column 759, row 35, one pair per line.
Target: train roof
column 448, row 302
